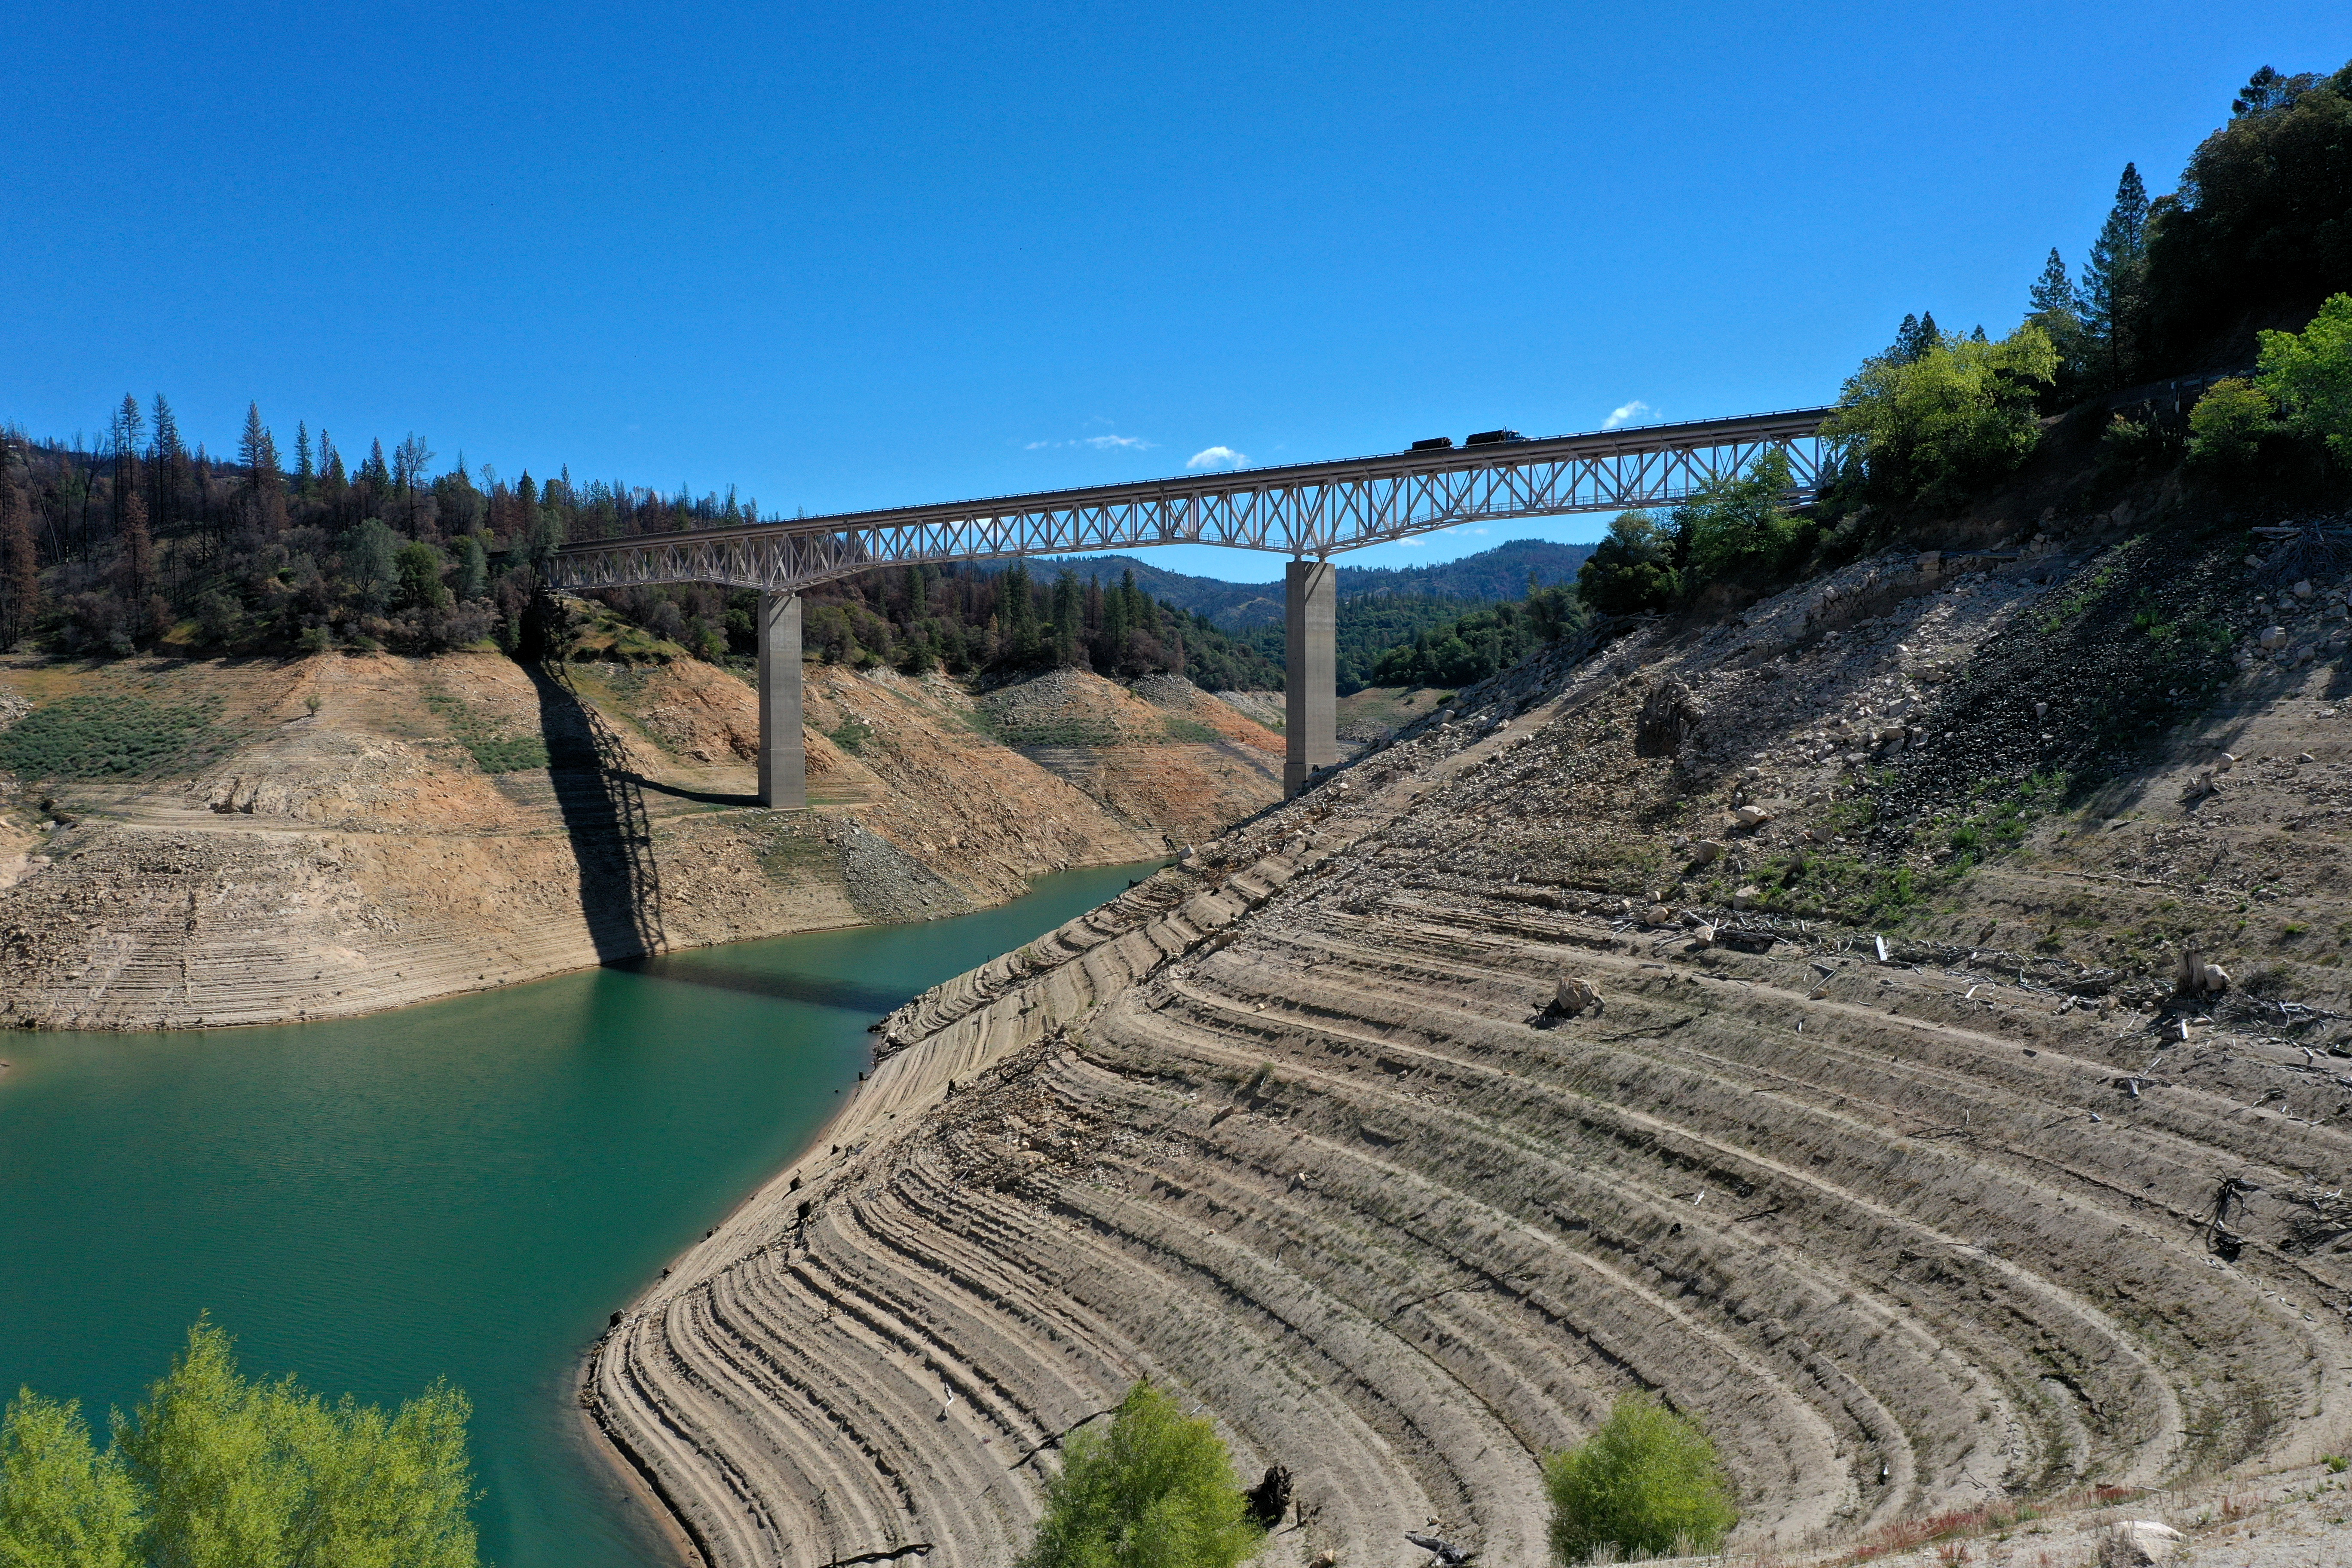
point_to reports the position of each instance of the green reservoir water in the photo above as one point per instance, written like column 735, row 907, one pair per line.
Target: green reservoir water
column 466, row 1188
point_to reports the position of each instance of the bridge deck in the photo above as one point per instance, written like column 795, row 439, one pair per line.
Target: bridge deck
column 1302, row 508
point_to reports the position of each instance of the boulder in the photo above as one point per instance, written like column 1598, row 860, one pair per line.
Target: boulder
column 2274, row 637
column 2304, row 590
column 1572, row 995
column 1706, row 850
column 1752, row 815
column 1746, row 897
column 1657, row 915
column 2137, row 1543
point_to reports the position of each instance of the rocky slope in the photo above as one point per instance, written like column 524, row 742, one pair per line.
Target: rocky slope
column 345, row 833
column 1645, row 1019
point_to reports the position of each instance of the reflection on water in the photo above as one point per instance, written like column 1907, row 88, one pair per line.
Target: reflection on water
column 465, row 1188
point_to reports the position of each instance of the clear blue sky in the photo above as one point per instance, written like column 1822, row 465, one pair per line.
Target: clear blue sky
column 858, row 255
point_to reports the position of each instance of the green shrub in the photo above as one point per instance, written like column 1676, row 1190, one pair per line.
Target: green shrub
column 851, row 735
column 2310, row 374
column 1931, row 430
column 2227, row 426
column 1157, row 1491
column 1648, row 1480
column 1632, row 570
column 217, row 1469
column 1736, row 527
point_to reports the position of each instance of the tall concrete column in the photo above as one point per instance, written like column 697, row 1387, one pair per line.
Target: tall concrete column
column 783, row 764
column 1312, row 672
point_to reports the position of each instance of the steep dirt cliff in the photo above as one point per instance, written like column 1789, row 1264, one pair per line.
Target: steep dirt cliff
column 242, row 842
column 1752, row 1012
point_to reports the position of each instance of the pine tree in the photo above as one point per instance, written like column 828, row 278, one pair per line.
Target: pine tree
column 257, row 452
column 168, row 449
column 1914, row 337
column 304, row 470
column 2110, row 297
column 2052, row 293
column 170, row 459
column 130, row 425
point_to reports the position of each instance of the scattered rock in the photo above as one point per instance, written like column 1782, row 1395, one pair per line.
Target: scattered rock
column 1573, row 995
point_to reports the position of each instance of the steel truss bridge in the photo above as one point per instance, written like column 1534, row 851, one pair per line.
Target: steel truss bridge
column 1303, row 510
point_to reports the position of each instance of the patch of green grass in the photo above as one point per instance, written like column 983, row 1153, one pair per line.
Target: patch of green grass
column 851, row 735
column 493, row 750
column 1192, row 730
column 96, row 735
column 1051, row 733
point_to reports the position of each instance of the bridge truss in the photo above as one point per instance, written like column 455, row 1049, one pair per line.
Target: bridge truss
column 1304, row 510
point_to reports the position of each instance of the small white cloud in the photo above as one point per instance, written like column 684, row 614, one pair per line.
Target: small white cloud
column 1477, row 531
column 1633, row 413
column 1105, row 443
column 1412, row 544
column 1036, row 445
column 1217, row 457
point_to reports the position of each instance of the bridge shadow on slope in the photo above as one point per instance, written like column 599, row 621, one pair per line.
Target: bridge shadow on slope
column 818, row 991
column 603, row 814
column 701, row 797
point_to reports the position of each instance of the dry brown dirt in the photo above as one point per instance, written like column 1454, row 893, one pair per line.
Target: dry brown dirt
column 330, row 861
column 1987, row 1218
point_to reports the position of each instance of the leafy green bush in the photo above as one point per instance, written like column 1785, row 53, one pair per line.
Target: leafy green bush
column 1735, row 526
column 1932, row 429
column 1633, row 570
column 1648, row 1480
column 2310, row 374
column 2227, row 426
column 214, row 1469
column 100, row 735
column 851, row 735
column 1156, row 1492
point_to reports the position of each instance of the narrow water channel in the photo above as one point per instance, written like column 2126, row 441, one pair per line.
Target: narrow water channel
column 463, row 1189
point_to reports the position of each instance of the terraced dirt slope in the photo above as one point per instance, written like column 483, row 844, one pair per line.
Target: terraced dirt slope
column 1301, row 1128
column 335, row 834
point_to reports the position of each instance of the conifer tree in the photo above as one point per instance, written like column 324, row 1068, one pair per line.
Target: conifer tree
column 304, row 470
column 2053, row 292
column 169, row 458
column 129, row 426
column 2114, row 278
column 168, row 449
column 257, row 452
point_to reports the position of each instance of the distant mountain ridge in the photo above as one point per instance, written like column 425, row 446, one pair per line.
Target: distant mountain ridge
column 1489, row 575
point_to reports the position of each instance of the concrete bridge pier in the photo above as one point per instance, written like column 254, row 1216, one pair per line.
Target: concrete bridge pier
column 1310, row 672
column 783, row 761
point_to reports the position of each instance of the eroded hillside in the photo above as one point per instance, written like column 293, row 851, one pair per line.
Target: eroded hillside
column 225, row 842
column 1782, row 1014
